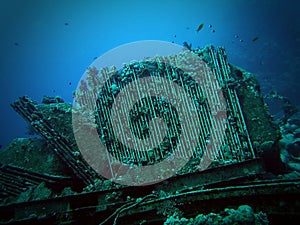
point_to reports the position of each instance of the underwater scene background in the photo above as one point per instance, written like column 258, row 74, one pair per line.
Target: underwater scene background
column 149, row 112
column 47, row 45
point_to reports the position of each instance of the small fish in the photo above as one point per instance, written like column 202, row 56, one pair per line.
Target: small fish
column 255, row 39
column 241, row 40
column 16, row 44
column 66, row 24
column 213, row 31
column 0, row 146
column 236, row 36
column 200, row 27
column 70, row 83
column 175, row 36
column 210, row 26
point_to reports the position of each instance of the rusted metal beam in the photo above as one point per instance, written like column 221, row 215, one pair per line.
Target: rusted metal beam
column 27, row 108
column 15, row 180
column 276, row 197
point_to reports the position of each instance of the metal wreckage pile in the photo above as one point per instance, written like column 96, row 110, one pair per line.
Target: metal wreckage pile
column 47, row 180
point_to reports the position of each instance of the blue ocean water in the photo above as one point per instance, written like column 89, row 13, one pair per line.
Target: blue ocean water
column 47, row 45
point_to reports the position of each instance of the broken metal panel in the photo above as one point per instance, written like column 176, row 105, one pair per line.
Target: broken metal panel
column 15, row 180
column 244, row 88
column 236, row 146
column 237, row 129
column 61, row 146
column 249, row 113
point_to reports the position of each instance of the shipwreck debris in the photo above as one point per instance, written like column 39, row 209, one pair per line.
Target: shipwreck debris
column 27, row 108
column 237, row 176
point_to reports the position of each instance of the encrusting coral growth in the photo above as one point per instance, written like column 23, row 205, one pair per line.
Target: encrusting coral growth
column 244, row 215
